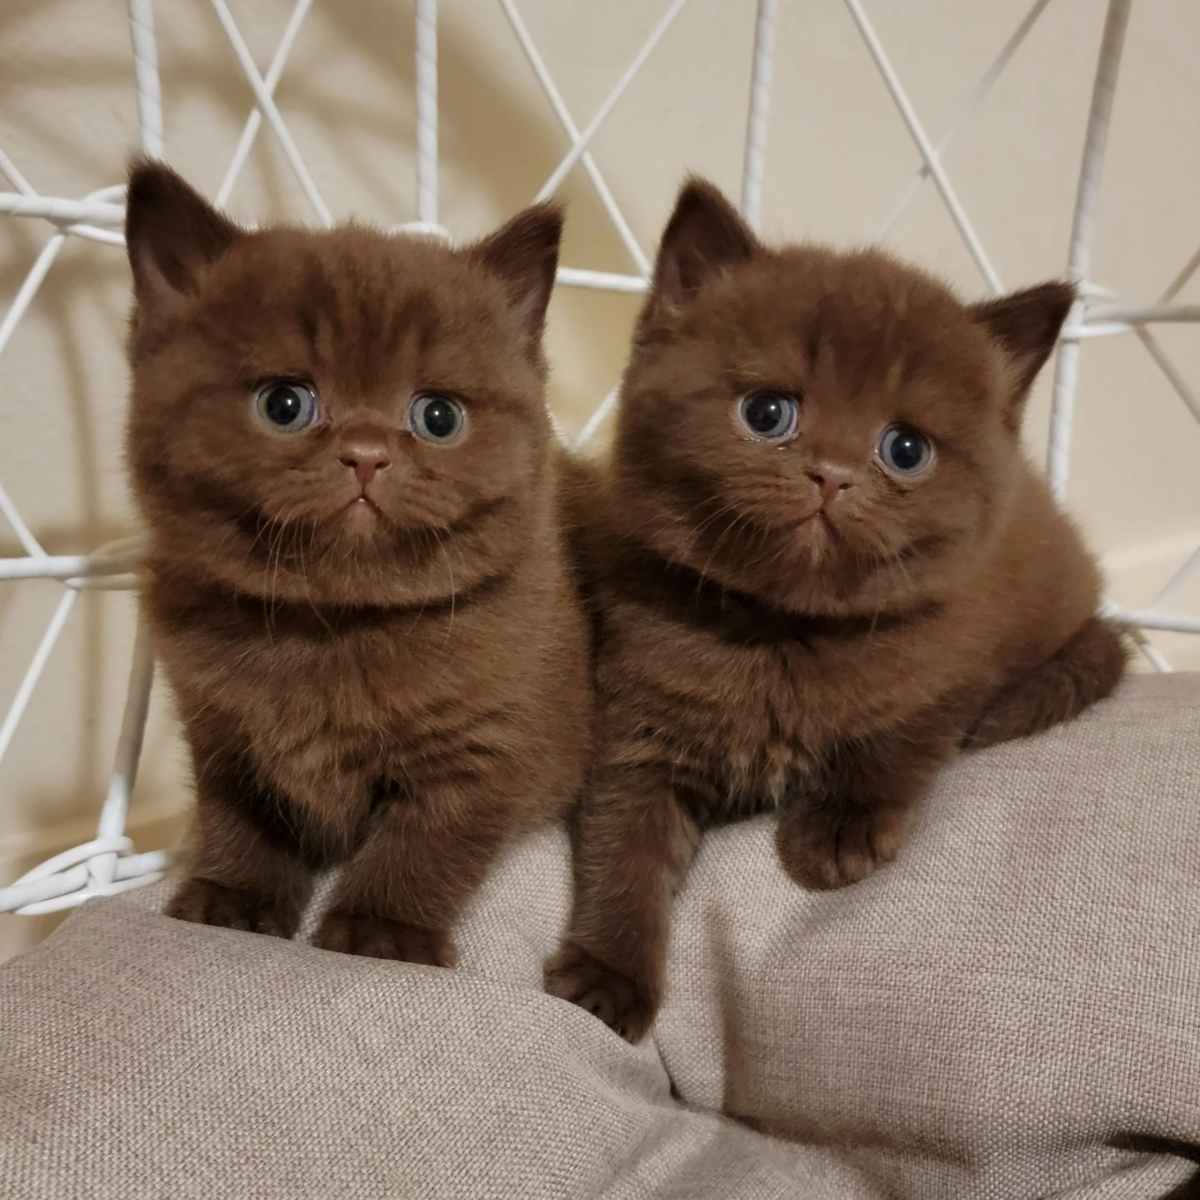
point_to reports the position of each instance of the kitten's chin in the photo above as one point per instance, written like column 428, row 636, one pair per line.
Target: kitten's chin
column 819, row 568
column 816, row 532
column 362, row 519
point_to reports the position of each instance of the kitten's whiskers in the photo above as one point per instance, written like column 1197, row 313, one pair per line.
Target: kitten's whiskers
column 450, row 569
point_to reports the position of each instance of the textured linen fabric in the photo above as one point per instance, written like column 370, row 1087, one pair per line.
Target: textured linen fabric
column 1002, row 1012
column 1010, row 1011
column 146, row 1057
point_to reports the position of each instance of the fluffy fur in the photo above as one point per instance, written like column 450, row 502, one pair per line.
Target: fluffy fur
column 373, row 639
column 786, row 623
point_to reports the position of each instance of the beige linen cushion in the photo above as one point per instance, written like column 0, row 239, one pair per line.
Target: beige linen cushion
column 1011, row 1010
column 1000, row 1011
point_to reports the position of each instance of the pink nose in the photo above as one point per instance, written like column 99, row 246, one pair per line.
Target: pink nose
column 831, row 480
column 366, row 462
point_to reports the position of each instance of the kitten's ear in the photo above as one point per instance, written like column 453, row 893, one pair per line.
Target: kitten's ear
column 524, row 253
column 704, row 235
column 171, row 234
column 1026, row 325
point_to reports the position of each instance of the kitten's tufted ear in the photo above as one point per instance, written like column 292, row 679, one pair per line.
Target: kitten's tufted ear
column 704, row 235
column 524, row 253
column 171, row 234
column 1025, row 325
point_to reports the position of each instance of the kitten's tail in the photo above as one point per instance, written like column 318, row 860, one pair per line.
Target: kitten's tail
column 1085, row 670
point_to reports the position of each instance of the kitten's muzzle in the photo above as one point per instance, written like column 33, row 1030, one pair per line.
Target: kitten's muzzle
column 366, row 462
column 831, row 480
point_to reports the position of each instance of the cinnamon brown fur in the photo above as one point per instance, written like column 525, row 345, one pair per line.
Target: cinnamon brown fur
column 373, row 639
column 786, row 623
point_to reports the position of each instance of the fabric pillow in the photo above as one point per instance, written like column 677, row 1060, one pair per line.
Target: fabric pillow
column 1010, row 1010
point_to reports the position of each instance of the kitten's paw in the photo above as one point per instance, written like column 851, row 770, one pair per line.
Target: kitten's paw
column 623, row 1005
column 831, row 848
column 208, row 903
column 381, row 937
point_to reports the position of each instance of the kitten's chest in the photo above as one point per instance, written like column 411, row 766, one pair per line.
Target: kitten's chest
column 325, row 710
column 758, row 717
column 774, row 725
column 319, row 700
column 327, row 740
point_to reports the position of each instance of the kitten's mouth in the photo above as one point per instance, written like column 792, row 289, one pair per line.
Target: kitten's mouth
column 818, row 527
column 363, row 505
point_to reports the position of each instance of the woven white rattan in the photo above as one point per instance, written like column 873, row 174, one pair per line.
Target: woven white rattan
column 107, row 863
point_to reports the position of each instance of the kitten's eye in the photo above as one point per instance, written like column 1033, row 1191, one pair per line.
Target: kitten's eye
column 904, row 450
column 286, row 407
column 436, row 417
column 769, row 415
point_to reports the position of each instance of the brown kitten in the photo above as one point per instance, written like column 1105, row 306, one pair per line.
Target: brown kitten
column 359, row 586
column 824, row 565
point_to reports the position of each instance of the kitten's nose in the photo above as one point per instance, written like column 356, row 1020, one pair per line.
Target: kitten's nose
column 365, row 462
column 831, row 480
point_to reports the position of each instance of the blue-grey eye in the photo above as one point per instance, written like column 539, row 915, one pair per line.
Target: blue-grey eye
column 286, row 407
column 768, row 414
column 904, row 450
column 436, row 417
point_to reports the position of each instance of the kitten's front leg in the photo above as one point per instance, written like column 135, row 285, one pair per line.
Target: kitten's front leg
column 633, row 844
column 853, row 813
column 426, row 855
column 242, row 876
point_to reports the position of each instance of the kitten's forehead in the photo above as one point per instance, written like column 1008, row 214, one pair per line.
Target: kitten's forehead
column 860, row 317
column 352, row 274
column 356, row 303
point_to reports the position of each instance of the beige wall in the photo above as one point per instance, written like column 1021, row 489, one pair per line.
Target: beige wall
column 837, row 159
